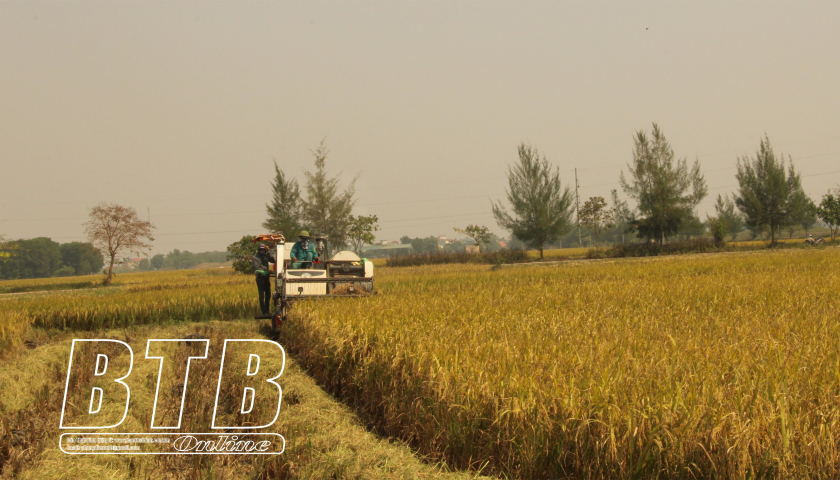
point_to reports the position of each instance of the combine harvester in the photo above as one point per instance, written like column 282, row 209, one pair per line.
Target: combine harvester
column 344, row 275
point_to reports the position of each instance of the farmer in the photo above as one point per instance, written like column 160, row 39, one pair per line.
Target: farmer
column 303, row 252
column 261, row 261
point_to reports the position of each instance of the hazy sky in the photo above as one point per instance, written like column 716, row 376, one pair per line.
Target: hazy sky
column 177, row 109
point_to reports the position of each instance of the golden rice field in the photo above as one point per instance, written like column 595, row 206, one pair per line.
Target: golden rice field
column 703, row 366
column 693, row 367
column 135, row 299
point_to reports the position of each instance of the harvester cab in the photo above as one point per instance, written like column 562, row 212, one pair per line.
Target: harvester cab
column 344, row 275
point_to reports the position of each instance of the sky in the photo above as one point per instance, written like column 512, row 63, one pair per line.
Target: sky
column 179, row 109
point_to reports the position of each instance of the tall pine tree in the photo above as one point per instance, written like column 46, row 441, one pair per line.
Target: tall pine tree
column 541, row 207
column 286, row 208
column 768, row 196
column 327, row 209
column 666, row 191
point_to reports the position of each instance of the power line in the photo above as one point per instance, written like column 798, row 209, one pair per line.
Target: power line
column 431, row 200
column 246, row 230
column 741, row 151
column 461, row 181
column 252, row 211
column 429, row 224
column 432, row 218
column 732, row 168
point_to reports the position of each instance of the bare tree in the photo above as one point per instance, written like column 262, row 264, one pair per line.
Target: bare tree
column 114, row 228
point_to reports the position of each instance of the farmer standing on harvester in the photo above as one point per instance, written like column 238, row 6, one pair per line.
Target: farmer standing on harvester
column 303, row 252
column 261, row 267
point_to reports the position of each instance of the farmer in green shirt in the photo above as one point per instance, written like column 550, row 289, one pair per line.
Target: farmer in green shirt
column 303, row 252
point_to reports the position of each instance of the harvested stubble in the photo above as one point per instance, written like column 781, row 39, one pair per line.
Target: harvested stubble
column 324, row 440
column 724, row 366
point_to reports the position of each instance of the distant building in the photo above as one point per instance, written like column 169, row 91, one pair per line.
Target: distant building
column 391, row 249
column 132, row 263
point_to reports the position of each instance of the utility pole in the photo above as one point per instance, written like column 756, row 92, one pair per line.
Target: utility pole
column 577, row 208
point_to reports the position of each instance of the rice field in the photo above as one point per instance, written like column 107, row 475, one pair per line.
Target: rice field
column 697, row 366
column 693, row 367
column 135, row 299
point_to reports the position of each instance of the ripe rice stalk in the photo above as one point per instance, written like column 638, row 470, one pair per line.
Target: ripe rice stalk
column 698, row 366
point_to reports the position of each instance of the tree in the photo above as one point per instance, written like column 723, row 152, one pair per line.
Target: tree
column 807, row 216
column 514, row 243
column 492, row 244
column 83, row 257
column 718, row 228
column 65, row 271
column 421, row 245
column 664, row 188
column 767, row 196
column 114, row 228
column 33, row 258
column 361, row 231
column 757, row 232
column 145, row 265
column 595, row 216
column 326, row 209
column 801, row 209
column 829, row 212
column 542, row 209
column 178, row 260
column 726, row 214
column 623, row 218
column 692, row 226
column 157, row 261
column 6, row 248
column 480, row 235
column 241, row 252
column 285, row 210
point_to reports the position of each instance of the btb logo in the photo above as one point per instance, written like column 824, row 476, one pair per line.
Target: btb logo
column 96, row 363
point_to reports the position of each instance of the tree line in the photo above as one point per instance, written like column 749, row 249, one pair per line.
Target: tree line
column 42, row 257
column 666, row 191
column 178, row 260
